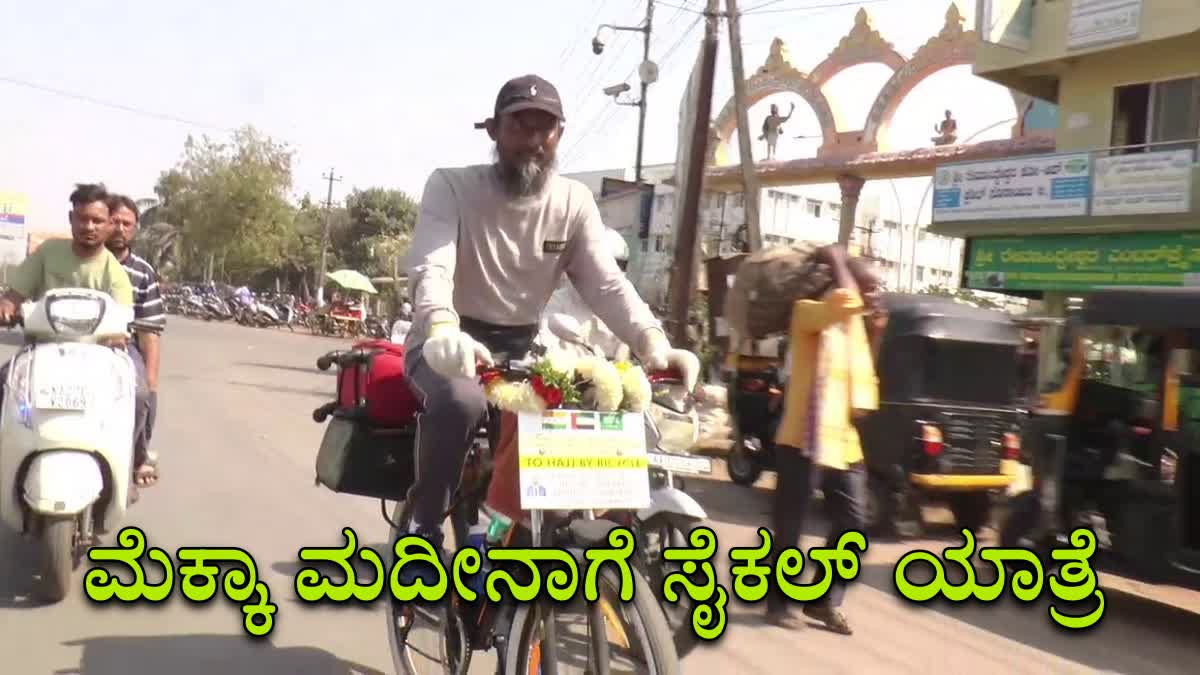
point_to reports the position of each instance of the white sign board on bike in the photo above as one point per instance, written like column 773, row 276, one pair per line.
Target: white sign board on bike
column 582, row 459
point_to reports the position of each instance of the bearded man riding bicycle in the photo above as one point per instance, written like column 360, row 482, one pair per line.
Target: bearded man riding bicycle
column 491, row 244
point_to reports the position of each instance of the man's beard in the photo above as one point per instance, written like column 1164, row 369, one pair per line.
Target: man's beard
column 527, row 178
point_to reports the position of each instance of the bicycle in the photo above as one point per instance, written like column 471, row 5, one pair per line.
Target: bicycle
column 442, row 637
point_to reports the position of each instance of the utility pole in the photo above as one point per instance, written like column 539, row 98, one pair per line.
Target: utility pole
column 647, row 74
column 750, row 188
column 325, row 235
column 686, row 241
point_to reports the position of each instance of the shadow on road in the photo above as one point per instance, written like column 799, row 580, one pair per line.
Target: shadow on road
column 730, row 503
column 204, row 655
column 1126, row 621
column 17, row 568
column 321, row 393
column 295, row 369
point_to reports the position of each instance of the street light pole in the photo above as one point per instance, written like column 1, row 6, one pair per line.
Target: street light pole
column 912, row 263
column 647, row 74
column 325, row 235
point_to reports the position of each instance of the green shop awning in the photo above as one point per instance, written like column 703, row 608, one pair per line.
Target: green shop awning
column 1083, row 262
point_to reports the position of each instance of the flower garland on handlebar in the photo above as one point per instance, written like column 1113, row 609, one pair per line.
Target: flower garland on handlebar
column 560, row 381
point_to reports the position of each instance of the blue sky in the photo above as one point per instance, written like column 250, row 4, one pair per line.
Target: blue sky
column 387, row 90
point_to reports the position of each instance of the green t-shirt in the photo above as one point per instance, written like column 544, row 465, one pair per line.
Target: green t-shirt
column 55, row 265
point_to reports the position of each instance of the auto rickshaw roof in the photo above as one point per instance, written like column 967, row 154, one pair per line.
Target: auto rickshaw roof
column 1145, row 306
column 944, row 318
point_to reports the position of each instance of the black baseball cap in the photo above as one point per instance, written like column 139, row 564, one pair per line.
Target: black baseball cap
column 528, row 92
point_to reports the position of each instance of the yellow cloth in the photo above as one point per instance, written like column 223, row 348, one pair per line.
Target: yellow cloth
column 831, row 330
column 55, row 265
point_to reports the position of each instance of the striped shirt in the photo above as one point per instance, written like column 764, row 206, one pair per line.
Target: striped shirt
column 148, row 311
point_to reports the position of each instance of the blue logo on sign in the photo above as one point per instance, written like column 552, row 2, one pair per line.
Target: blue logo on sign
column 950, row 198
column 1078, row 187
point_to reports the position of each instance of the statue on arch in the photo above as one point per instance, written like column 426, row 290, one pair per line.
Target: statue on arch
column 947, row 131
column 772, row 128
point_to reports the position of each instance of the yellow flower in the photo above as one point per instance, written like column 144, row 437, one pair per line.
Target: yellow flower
column 636, row 389
column 516, row 397
column 606, row 380
column 586, row 366
column 561, row 361
column 623, row 366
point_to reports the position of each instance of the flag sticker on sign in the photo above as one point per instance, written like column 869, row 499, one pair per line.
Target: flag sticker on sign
column 555, row 420
column 612, row 422
column 583, row 421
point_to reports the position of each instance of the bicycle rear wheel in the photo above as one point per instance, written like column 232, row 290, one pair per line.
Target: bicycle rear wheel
column 642, row 644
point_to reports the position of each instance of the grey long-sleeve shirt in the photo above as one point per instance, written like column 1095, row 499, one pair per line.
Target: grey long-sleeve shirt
column 478, row 252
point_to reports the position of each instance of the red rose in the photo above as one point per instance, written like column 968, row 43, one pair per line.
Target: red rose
column 553, row 397
column 489, row 377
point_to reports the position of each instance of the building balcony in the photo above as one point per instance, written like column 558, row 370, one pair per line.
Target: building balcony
column 1147, row 187
column 1028, row 45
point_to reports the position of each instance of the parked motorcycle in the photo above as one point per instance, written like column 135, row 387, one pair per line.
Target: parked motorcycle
column 66, row 430
column 755, row 408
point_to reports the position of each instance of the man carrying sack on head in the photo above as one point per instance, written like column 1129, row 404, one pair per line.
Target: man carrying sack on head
column 831, row 382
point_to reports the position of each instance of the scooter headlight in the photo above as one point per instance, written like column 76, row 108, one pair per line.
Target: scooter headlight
column 74, row 315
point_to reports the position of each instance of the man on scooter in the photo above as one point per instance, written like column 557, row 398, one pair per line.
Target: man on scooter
column 81, row 262
column 150, row 320
column 491, row 244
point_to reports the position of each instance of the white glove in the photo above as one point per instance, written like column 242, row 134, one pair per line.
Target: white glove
column 657, row 354
column 453, row 353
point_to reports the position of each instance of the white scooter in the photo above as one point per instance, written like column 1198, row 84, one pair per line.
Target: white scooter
column 66, row 430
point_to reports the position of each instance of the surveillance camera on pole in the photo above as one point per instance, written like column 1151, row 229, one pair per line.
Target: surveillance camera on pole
column 616, row 90
column 647, row 72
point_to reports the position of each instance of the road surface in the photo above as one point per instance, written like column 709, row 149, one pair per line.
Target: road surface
column 237, row 446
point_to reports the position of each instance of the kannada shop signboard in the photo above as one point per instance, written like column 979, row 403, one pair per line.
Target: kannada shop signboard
column 1142, row 183
column 13, row 207
column 1082, row 262
column 1026, row 187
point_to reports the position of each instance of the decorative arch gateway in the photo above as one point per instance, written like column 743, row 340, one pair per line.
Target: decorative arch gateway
column 863, row 44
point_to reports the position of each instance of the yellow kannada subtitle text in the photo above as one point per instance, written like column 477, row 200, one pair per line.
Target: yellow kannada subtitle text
column 197, row 576
column 1074, row 583
column 560, row 574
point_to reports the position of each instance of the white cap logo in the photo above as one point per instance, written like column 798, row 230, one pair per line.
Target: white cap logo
column 533, row 90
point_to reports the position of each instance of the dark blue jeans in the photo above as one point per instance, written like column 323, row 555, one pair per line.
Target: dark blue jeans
column 845, row 507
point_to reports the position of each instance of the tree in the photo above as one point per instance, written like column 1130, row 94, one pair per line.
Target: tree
column 380, row 226
column 227, row 205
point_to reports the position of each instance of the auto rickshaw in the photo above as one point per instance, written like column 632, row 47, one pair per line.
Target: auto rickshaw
column 1116, row 434
column 948, row 428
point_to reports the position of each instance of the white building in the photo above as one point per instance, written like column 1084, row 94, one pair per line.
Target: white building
column 790, row 214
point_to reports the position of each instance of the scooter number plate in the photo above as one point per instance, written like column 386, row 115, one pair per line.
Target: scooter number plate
column 678, row 464
column 61, row 397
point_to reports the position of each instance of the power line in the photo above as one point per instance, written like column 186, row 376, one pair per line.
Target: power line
column 110, row 104
column 610, row 111
column 807, row 8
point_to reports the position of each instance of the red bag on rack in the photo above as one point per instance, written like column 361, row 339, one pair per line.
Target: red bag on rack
column 391, row 402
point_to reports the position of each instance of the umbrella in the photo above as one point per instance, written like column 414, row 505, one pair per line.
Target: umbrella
column 352, row 281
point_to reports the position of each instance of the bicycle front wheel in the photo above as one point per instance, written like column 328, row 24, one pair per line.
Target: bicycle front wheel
column 638, row 638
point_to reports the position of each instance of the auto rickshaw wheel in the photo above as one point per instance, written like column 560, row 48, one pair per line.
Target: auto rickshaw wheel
column 972, row 510
column 1020, row 520
column 740, row 463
